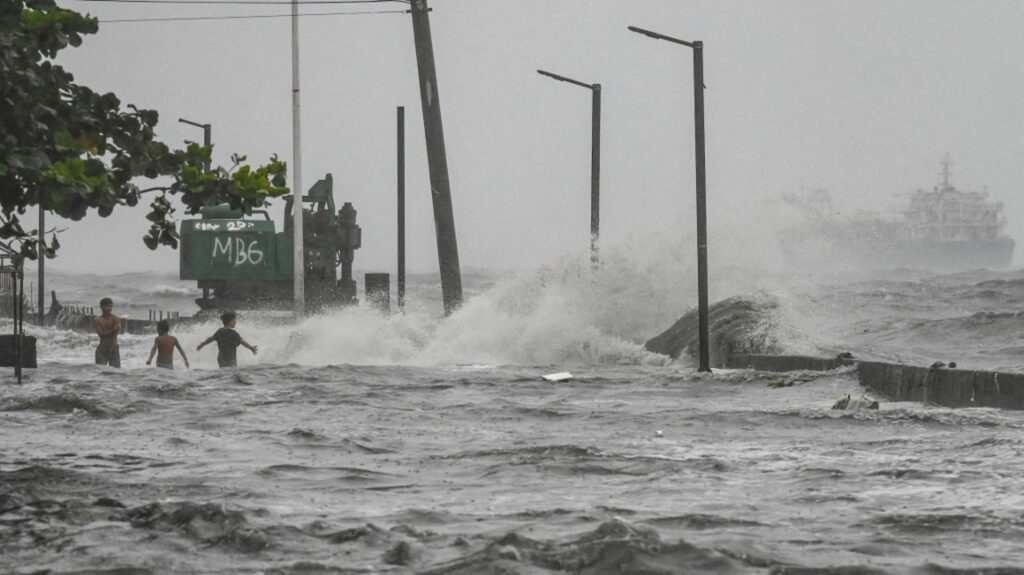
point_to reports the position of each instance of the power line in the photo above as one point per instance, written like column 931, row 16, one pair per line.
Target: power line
column 246, row 2
column 250, row 16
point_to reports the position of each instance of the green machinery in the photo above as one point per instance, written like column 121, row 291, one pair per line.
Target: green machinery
column 244, row 263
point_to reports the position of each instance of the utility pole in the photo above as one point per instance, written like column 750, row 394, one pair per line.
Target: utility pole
column 299, row 259
column 401, row 208
column 437, row 160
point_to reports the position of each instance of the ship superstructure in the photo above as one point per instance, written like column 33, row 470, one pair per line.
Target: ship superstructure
column 944, row 229
column 947, row 214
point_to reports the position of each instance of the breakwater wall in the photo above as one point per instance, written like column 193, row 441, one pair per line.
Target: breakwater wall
column 898, row 382
column 766, row 362
column 84, row 323
column 943, row 386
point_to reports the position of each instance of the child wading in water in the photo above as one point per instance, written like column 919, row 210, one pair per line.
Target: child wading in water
column 228, row 341
column 164, row 346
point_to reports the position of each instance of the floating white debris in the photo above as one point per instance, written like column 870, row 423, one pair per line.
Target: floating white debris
column 560, row 376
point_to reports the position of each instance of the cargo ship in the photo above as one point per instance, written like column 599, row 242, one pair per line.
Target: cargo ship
column 944, row 229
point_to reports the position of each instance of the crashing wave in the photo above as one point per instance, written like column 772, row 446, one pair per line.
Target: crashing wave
column 736, row 325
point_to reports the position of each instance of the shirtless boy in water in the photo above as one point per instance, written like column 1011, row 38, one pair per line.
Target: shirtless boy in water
column 163, row 347
column 107, row 327
column 228, row 341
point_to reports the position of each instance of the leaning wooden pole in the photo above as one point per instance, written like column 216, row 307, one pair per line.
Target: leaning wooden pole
column 440, row 188
column 299, row 254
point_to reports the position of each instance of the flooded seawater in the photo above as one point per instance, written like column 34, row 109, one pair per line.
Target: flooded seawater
column 358, row 443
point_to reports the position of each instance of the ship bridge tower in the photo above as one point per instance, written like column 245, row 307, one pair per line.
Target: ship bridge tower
column 946, row 163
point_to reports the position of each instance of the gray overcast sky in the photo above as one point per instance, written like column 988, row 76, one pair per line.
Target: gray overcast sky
column 862, row 98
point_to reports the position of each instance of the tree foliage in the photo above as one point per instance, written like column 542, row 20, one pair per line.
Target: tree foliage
column 74, row 150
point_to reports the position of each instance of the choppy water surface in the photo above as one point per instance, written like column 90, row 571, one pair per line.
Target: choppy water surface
column 361, row 443
column 488, row 470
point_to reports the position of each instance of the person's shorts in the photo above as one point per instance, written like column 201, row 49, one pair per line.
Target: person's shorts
column 109, row 356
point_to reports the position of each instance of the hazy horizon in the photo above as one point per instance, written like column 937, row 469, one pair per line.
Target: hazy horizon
column 863, row 99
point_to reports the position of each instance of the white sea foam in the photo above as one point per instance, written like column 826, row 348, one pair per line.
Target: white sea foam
column 565, row 313
column 561, row 313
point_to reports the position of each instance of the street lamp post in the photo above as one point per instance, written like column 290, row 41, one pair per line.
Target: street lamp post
column 206, row 137
column 401, row 207
column 702, row 229
column 207, row 142
column 595, row 160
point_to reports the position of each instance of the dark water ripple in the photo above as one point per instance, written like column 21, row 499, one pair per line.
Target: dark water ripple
column 340, row 468
column 59, row 403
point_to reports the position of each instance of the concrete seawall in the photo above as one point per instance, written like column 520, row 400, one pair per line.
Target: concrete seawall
column 83, row 323
column 764, row 362
column 897, row 382
column 943, row 386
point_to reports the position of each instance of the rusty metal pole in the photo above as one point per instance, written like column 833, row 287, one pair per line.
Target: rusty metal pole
column 437, row 160
column 401, row 209
column 704, row 362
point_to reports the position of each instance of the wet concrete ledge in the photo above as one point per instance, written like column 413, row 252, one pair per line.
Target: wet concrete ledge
column 765, row 362
column 898, row 382
column 943, row 386
column 83, row 323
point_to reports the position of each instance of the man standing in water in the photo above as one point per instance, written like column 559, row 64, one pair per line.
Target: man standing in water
column 107, row 327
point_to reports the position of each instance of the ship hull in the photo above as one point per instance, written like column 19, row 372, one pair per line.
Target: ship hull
column 834, row 253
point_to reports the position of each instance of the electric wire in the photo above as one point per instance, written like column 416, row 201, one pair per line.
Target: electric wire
column 247, row 2
column 249, row 16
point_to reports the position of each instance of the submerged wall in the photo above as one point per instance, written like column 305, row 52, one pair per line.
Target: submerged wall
column 943, row 386
column 898, row 382
column 763, row 362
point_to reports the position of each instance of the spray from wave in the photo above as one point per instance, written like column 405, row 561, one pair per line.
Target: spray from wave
column 567, row 313
column 563, row 313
